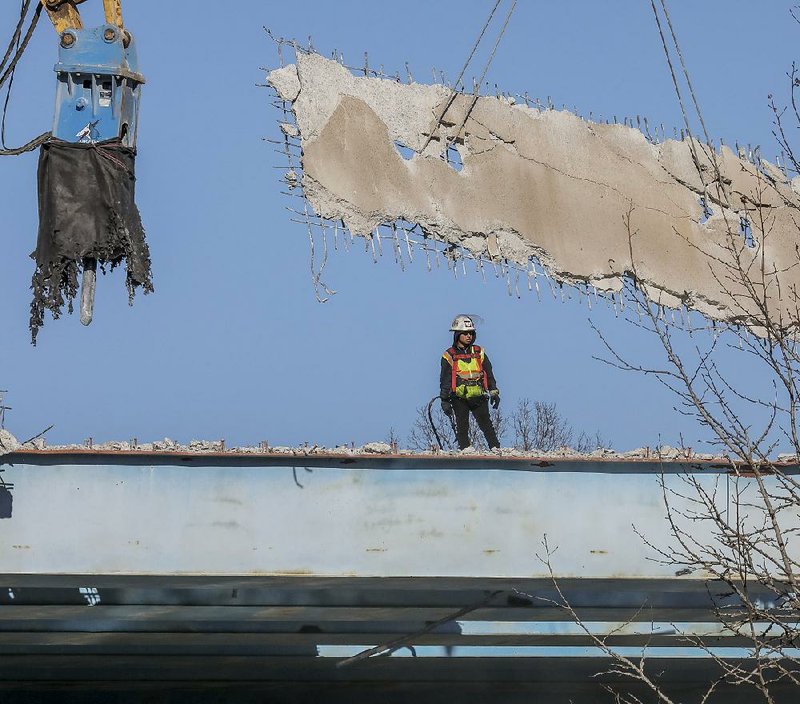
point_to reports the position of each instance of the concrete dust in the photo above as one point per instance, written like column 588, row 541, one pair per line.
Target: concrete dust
column 591, row 202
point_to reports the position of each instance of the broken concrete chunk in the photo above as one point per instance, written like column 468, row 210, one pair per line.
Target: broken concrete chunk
column 8, row 443
column 377, row 448
column 205, row 446
column 285, row 82
column 113, row 446
column 666, row 452
column 165, row 444
column 593, row 203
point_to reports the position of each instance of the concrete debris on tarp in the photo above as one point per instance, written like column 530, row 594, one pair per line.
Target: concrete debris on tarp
column 591, row 202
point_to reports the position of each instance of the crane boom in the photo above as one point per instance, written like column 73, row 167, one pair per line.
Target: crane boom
column 64, row 15
column 113, row 10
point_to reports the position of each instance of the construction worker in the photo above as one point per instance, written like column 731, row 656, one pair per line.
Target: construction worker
column 466, row 383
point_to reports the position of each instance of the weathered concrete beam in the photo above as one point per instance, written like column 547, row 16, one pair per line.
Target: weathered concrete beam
column 393, row 516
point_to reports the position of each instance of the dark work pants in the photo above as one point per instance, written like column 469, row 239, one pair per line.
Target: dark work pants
column 480, row 409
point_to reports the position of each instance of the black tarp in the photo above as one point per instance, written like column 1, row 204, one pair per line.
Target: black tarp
column 86, row 210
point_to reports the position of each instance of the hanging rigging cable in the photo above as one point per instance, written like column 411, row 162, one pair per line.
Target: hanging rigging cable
column 485, row 70
column 461, row 75
column 712, row 156
column 7, row 74
column 685, row 71
column 14, row 41
column 17, row 33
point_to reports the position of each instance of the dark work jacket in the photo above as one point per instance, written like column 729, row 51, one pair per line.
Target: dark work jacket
column 446, row 372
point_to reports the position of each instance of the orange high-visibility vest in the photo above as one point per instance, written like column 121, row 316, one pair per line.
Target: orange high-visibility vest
column 467, row 371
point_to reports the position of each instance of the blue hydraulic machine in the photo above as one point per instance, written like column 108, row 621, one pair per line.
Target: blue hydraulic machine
column 99, row 86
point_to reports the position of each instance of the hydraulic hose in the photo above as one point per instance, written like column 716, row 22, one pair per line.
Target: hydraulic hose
column 433, row 425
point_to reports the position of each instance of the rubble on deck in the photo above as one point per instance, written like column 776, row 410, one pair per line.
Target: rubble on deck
column 8, row 444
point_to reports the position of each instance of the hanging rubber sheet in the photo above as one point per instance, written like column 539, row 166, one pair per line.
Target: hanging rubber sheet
column 86, row 211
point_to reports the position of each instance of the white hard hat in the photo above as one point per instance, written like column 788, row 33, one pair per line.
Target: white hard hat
column 462, row 323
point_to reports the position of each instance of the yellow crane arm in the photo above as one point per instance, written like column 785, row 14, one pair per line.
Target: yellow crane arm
column 64, row 14
column 113, row 10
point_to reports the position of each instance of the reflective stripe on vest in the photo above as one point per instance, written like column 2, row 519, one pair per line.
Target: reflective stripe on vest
column 467, row 367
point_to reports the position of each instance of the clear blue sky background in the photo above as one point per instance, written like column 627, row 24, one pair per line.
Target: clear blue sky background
column 233, row 343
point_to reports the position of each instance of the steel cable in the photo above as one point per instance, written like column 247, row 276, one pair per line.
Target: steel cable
column 9, row 72
column 461, row 76
column 35, row 143
column 685, row 70
column 23, row 46
column 679, row 95
column 17, row 33
column 713, row 155
column 485, row 70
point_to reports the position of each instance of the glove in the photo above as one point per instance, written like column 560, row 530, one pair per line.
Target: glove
column 447, row 407
column 494, row 398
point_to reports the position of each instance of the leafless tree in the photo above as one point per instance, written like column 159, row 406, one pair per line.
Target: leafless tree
column 523, row 422
column 539, row 425
column 536, row 425
column 423, row 435
column 392, row 438
column 741, row 533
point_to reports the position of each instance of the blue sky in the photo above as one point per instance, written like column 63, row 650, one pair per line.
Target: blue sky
column 233, row 343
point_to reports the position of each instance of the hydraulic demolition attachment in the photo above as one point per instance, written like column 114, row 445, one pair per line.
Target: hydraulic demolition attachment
column 87, row 212
column 99, row 83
